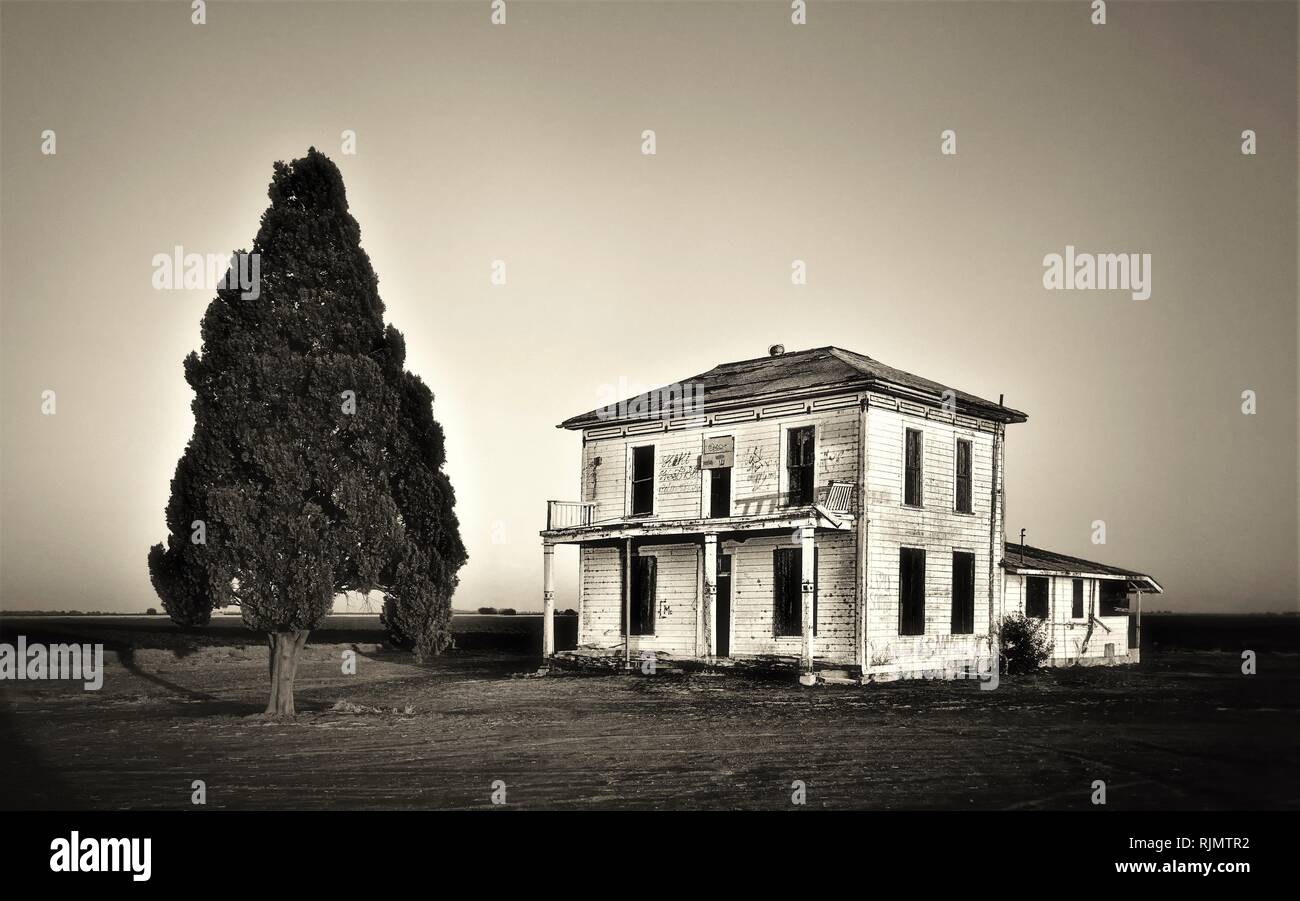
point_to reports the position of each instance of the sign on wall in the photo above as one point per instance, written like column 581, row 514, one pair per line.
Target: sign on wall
column 719, row 453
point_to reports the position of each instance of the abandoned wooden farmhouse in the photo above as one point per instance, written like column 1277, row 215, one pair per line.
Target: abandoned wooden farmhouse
column 818, row 508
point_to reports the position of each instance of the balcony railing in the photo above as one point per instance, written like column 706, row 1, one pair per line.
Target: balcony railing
column 568, row 514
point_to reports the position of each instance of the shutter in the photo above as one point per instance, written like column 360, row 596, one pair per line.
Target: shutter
column 649, row 581
column 816, row 551
column 918, row 591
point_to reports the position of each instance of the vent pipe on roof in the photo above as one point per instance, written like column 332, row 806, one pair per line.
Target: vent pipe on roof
column 1000, row 396
column 776, row 350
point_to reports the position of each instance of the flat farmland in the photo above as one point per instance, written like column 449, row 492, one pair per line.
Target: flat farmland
column 1184, row 730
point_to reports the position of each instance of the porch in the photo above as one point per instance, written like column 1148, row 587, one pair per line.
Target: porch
column 688, row 618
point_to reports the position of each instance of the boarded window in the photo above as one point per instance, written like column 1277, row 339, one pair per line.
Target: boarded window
column 1036, row 597
column 799, row 465
column 1076, row 609
column 912, row 483
column 1114, row 597
column 720, row 492
column 963, row 476
column 787, row 568
column 963, row 593
column 644, row 579
column 911, row 591
column 643, row 480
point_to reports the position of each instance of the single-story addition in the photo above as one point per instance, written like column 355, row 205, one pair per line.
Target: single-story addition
column 817, row 508
column 1086, row 604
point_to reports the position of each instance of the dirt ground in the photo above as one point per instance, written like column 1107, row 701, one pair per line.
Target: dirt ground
column 1185, row 730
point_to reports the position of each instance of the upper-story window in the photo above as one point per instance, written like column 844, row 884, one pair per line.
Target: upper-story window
column 716, row 459
column 720, row 492
column 912, row 481
column 643, row 480
column 800, row 454
column 963, row 476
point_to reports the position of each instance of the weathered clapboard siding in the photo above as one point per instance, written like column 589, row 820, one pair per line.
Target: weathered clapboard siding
column 1066, row 631
column 934, row 527
column 754, row 598
column 602, row 597
column 677, row 597
column 758, row 477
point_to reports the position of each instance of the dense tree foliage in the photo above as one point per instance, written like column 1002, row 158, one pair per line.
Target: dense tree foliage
column 315, row 466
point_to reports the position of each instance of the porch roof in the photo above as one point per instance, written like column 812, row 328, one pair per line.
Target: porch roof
column 1029, row 560
column 816, row 516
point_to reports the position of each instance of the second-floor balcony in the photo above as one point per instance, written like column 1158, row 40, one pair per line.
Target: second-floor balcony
column 569, row 514
column 835, row 505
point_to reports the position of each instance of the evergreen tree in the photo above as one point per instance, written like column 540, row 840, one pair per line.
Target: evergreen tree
column 417, row 610
column 287, row 492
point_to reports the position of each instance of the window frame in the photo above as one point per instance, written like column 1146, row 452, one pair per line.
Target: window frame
column 631, row 582
column 731, row 487
column 906, row 552
column 630, row 508
column 706, row 482
column 1103, row 604
column 953, row 624
column 1077, row 610
column 956, row 476
column 919, row 504
column 1047, row 597
column 783, row 486
column 797, row 605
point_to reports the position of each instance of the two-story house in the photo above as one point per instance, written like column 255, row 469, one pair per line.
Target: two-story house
column 817, row 506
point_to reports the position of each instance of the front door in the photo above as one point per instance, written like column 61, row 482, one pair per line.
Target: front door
column 723, row 607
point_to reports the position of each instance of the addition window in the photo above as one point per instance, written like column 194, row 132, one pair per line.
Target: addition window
column 1114, row 597
column 643, row 480
column 963, row 593
column 912, row 480
column 1036, row 597
column 800, row 453
column 644, row 578
column 1076, row 609
column 787, row 564
column 963, row 476
column 911, row 591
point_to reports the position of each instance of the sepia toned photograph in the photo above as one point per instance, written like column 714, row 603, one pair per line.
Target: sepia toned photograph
column 885, row 412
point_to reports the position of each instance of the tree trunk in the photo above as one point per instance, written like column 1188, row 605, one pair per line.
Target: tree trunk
column 283, row 657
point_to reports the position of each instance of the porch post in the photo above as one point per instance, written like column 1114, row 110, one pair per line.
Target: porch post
column 711, row 595
column 806, row 676
column 548, row 600
column 1137, row 638
column 627, row 605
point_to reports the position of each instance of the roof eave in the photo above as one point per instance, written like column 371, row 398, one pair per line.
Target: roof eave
column 983, row 409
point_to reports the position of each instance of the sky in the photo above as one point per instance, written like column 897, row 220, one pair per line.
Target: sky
column 774, row 142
